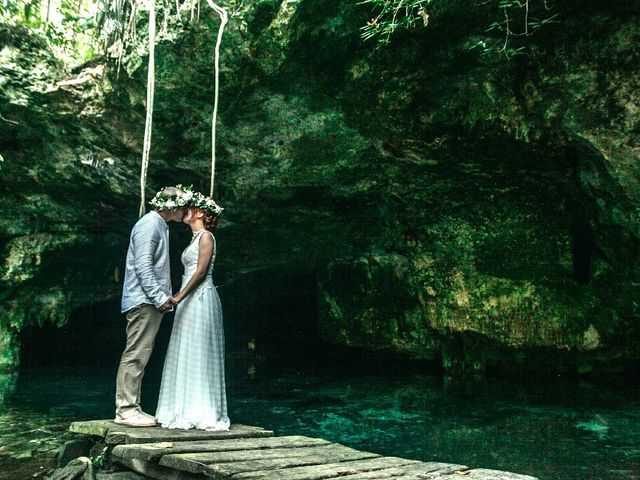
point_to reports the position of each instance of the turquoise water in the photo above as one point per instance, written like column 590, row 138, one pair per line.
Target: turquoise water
column 553, row 429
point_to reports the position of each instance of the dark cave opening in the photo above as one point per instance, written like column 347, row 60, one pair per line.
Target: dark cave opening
column 583, row 243
column 269, row 313
column 270, row 321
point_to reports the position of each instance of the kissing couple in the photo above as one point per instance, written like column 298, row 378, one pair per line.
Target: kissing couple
column 192, row 392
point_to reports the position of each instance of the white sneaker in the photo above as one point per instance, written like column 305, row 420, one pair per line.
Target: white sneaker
column 146, row 415
column 137, row 420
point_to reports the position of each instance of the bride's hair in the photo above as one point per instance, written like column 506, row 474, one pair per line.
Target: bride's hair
column 210, row 220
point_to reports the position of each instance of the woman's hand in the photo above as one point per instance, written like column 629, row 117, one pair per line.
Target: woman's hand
column 176, row 299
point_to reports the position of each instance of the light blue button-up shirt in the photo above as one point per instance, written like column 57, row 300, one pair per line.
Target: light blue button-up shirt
column 147, row 277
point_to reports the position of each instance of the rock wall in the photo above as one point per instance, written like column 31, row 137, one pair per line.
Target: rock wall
column 470, row 209
column 65, row 182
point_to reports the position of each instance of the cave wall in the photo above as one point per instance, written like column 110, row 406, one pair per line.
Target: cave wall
column 453, row 205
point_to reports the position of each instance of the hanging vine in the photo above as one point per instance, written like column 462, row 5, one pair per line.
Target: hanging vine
column 223, row 22
column 146, row 148
column 117, row 22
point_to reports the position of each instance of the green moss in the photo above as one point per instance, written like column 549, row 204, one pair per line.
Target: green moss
column 429, row 186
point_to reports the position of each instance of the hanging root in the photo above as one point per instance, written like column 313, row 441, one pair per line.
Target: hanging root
column 224, row 19
column 127, row 33
column 150, row 91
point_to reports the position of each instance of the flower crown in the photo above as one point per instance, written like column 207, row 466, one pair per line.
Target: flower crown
column 198, row 200
column 167, row 202
column 190, row 198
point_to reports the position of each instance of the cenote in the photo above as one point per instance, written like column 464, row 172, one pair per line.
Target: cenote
column 430, row 242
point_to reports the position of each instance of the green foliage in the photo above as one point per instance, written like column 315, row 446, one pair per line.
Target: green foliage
column 99, row 460
column 514, row 19
column 67, row 25
column 393, row 15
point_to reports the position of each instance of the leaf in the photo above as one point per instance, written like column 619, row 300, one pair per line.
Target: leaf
column 494, row 26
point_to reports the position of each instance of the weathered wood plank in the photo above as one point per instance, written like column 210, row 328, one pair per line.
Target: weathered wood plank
column 131, row 435
column 487, row 474
column 253, row 453
column 412, row 471
column 329, row 470
column 222, row 471
column 264, row 454
column 226, row 464
column 128, row 475
column 115, row 434
column 153, row 451
column 153, row 470
column 98, row 428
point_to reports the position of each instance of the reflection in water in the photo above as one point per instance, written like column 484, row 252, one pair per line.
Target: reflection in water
column 552, row 430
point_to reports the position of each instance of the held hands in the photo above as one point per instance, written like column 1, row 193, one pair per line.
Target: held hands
column 166, row 306
column 169, row 304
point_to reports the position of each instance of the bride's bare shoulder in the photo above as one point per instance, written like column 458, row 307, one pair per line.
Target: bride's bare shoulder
column 207, row 239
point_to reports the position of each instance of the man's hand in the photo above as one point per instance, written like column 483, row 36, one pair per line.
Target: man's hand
column 166, row 307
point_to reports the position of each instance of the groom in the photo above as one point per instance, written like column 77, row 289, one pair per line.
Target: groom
column 146, row 297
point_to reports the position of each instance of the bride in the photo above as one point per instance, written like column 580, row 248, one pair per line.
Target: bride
column 192, row 392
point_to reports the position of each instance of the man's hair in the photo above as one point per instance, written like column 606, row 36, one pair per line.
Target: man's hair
column 171, row 192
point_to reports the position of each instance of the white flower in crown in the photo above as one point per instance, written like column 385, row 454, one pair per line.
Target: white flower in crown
column 166, row 202
column 186, row 197
column 205, row 203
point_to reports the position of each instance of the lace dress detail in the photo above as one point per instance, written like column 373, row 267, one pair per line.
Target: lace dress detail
column 192, row 392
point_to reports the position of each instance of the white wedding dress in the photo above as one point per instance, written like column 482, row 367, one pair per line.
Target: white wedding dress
column 192, row 393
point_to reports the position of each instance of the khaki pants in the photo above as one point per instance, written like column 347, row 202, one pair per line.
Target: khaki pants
column 143, row 323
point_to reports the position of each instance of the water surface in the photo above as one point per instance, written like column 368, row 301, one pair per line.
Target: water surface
column 553, row 429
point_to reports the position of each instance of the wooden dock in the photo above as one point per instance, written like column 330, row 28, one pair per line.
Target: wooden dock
column 248, row 453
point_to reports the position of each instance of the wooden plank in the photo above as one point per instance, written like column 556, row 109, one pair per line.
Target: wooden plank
column 329, row 470
column 222, row 471
column 412, row 471
column 132, row 435
column 487, row 474
column 248, row 453
column 116, row 434
column 265, row 454
column 153, row 451
column 226, row 464
column 127, row 475
column 153, row 470
column 98, row 428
